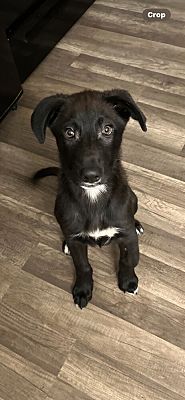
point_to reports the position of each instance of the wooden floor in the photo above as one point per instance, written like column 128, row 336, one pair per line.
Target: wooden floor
column 121, row 347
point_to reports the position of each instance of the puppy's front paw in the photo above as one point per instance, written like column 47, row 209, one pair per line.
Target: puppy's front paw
column 129, row 285
column 82, row 293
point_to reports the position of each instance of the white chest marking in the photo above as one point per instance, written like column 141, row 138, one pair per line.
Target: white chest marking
column 94, row 192
column 110, row 232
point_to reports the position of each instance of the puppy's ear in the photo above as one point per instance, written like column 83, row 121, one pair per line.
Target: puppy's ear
column 44, row 115
column 125, row 106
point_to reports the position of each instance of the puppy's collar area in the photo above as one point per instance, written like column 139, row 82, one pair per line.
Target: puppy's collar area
column 94, row 192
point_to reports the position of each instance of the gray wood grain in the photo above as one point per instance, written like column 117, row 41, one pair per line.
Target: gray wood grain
column 121, row 347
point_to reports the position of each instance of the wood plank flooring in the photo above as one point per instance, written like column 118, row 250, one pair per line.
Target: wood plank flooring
column 120, row 347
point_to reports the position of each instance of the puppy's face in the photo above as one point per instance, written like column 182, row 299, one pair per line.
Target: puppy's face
column 88, row 127
column 88, row 133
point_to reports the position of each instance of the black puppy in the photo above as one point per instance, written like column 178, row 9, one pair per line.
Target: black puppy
column 95, row 204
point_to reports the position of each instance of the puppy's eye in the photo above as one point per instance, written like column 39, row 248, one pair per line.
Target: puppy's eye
column 69, row 133
column 107, row 130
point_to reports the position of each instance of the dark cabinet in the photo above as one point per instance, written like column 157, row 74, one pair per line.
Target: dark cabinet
column 30, row 29
column 10, row 86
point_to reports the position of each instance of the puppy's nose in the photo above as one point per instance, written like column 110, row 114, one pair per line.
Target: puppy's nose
column 91, row 177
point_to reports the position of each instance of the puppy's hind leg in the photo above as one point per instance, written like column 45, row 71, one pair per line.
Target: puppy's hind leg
column 139, row 228
column 65, row 248
column 134, row 202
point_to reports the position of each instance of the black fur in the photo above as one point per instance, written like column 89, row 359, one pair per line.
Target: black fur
column 42, row 173
column 88, row 128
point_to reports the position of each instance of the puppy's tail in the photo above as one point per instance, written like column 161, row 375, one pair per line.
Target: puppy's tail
column 50, row 171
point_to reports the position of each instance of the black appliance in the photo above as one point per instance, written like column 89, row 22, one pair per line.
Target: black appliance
column 29, row 29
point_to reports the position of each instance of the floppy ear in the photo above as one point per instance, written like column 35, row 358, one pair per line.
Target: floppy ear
column 125, row 106
column 44, row 115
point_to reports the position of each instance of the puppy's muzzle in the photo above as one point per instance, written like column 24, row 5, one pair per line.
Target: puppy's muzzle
column 91, row 177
